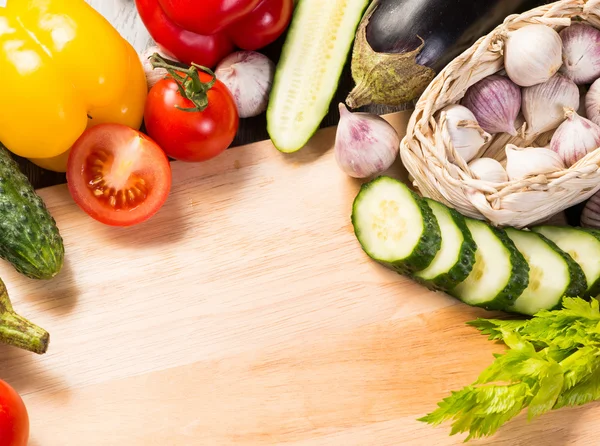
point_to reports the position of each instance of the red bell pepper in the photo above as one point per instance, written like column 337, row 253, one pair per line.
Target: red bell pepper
column 204, row 32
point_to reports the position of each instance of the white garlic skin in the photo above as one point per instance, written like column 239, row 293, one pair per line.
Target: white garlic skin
column 365, row 144
column 249, row 77
column 581, row 53
column 592, row 103
column 154, row 75
column 495, row 101
column 532, row 55
column 575, row 138
column 544, row 104
column 590, row 216
column 488, row 169
column 464, row 131
column 531, row 161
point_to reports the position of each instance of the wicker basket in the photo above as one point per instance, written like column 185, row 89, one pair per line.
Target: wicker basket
column 425, row 152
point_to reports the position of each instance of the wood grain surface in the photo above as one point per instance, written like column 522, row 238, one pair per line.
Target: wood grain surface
column 245, row 313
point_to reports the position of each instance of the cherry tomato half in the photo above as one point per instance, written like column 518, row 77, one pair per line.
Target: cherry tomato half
column 118, row 175
column 191, row 136
column 14, row 420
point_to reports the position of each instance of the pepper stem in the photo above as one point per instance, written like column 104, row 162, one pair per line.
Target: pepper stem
column 17, row 331
column 188, row 82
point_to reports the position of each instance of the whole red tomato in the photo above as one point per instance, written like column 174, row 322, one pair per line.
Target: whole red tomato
column 192, row 118
column 14, row 420
column 263, row 25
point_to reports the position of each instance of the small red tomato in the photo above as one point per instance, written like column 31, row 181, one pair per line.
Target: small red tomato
column 14, row 420
column 263, row 25
column 192, row 118
column 118, row 175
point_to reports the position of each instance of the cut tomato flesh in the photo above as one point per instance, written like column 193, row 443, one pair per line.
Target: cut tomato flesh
column 118, row 175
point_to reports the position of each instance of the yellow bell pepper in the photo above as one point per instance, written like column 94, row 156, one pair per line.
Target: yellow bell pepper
column 63, row 68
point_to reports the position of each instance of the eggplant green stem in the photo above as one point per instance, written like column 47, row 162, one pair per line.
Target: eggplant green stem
column 17, row 331
column 189, row 84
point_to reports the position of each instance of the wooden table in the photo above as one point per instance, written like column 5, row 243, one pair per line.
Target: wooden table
column 245, row 313
column 123, row 15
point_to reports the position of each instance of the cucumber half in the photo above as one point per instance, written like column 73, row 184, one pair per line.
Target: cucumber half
column 500, row 273
column 394, row 226
column 552, row 273
column 456, row 257
column 583, row 246
column 315, row 51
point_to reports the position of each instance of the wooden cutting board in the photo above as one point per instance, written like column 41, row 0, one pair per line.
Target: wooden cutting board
column 245, row 313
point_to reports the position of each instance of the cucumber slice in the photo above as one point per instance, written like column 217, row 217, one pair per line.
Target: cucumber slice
column 552, row 273
column 500, row 273
column 583, row 246
column 313, row 57
column 456, row 257
column 394, row 226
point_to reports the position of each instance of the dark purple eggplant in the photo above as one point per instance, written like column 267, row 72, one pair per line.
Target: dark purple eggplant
column 401, row 45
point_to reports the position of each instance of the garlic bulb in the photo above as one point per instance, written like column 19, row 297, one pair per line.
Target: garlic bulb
column 581, row 53
column 488, row 169
column 365, row 144
column 153, row 75
column 590, row 216
column 575, row 138
column 592, row 103
column 464, row 132
column 495, row 102
column 249, row 77
column 543, row 105
column 532, row 55
column 531, row 161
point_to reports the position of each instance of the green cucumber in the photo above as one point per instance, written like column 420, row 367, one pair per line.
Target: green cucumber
column 583, row 245
column 500, row 273
column 456, row 257
column 394, row 226
column 553, row 274
column 29, row 238
column 313, row 57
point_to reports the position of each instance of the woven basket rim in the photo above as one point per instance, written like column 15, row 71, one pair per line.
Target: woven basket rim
column 425, row 152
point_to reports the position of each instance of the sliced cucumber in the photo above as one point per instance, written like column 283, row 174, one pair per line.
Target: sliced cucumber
column 500, row 273
column 552, row 273
column 315, row 51
column 583, row 246
column 456, row 257
column 394, row 226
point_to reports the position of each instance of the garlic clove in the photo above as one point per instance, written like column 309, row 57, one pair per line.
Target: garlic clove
column 495, row 101
column 531, row 161
column 249, row 77
column 154, row 75
column 592, row 103
column 532, row 54
column 575, row 138
column 543, row 105
column 463, row 131
column 365, row 144
column 488, row 169
column 581, row 53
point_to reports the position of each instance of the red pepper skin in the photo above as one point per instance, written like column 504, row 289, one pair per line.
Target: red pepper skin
column 263, row 25
column 206, row 31
column 179, row 43
column 207, row 16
